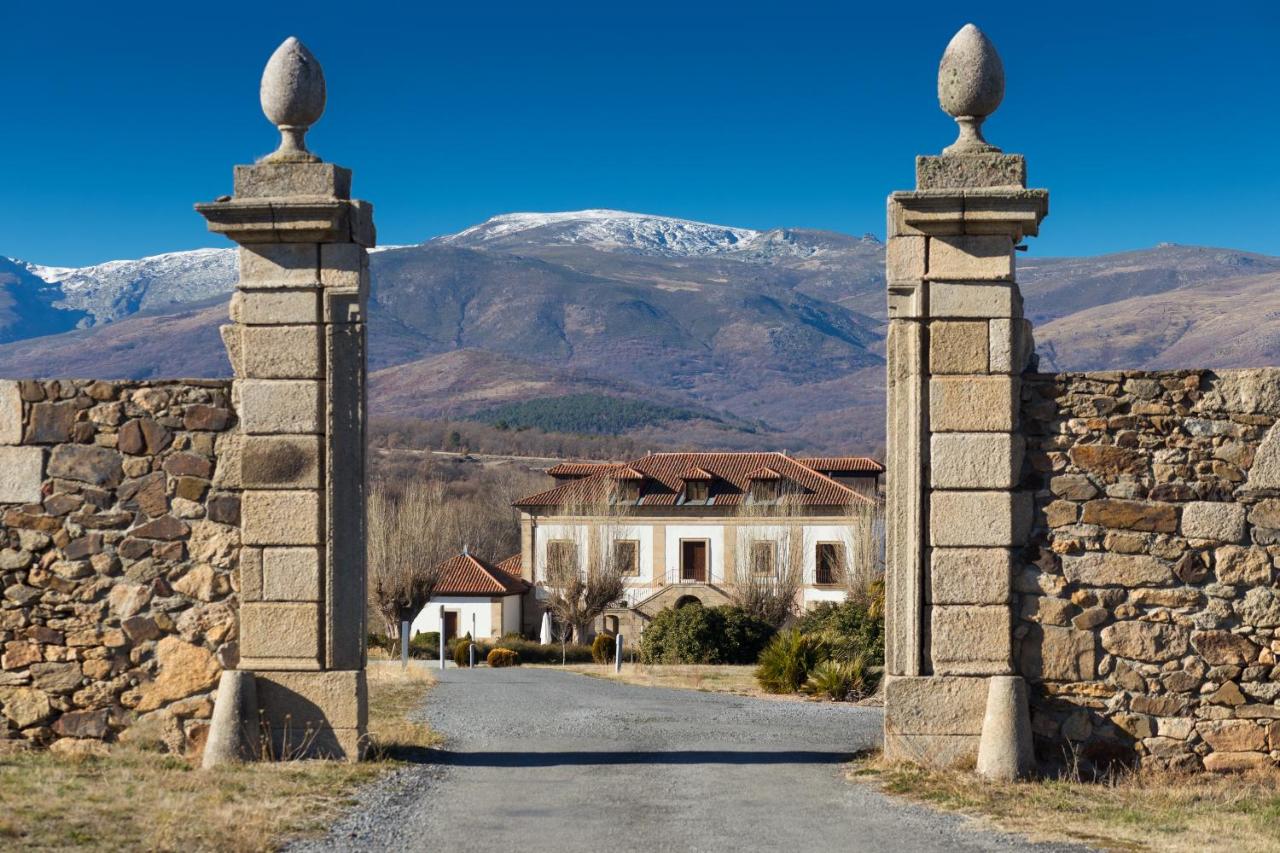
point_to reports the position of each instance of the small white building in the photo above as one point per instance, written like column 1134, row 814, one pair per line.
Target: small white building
column 474, row 597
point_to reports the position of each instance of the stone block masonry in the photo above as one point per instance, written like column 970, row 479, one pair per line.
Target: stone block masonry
column 1148, row 612
column 297, row 346
column 1100, row 549
column 119, row 542
column 957, row 346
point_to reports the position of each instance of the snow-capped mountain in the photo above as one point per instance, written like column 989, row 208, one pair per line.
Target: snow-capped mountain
column 48, row 299
column 116, row 289
column 634, row 233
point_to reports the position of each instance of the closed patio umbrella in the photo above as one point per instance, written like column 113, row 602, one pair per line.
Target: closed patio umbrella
column 544, row 636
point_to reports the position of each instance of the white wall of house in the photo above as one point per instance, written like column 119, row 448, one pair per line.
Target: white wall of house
column 510, row 614
column 481, row 607
column 581, row 534
column 714, row 536
column 713, row 531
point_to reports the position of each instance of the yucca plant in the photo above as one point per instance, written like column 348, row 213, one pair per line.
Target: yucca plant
column 838, row 679
column 786, row 662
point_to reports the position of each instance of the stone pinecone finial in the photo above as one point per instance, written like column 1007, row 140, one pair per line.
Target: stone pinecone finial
column 292, row 95
column 970, row 87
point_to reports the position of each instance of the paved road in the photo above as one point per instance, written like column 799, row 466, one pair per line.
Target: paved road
column 539, row 760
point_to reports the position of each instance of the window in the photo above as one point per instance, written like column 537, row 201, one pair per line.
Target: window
column 763, row 558
column 562, row 557
column 626, row 556
column 628, row 492
column 696, row 490
column 830, row 562
column 764, row 490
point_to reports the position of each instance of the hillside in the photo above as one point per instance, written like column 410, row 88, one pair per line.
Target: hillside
column 773, row 337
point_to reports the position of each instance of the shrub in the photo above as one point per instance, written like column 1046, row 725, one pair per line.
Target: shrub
column 603, row 647
column 381, row 641
column 838, row 679
column 425, row 645
column 531, row 652
column 462, row 651
column 786, row 662
column 694, row 634
column 854, row 627
column 502, row 657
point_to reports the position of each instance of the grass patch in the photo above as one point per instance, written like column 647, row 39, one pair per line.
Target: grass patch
column 136, row 800
column 709, row 678
column 1133, row 811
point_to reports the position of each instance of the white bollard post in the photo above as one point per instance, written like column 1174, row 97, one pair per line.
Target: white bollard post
column 617, row 653
column 404, row 645
column 442, row 636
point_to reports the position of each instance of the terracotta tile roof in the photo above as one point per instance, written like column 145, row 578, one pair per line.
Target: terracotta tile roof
column 626, row 472
column 579, row 469
column 764, row 474
column 842, row 464
column 467, row 574
column 696, row 473
column 664, row 485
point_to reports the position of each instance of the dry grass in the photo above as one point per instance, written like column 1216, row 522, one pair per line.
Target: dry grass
column 135, row 800
column 1140, row 810
column 710, row 678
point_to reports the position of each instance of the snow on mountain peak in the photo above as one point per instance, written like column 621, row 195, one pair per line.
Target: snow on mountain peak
column 610, row 230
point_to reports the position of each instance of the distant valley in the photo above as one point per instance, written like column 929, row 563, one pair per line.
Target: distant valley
column 714, row 336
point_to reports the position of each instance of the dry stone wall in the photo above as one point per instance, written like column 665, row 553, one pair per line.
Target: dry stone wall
column 1147, row 615
column 119, row 540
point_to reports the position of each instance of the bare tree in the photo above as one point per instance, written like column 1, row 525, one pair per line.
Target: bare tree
column 415, row 524
column 577, row 594
column 769, row 569
column 866, row 562
column 771, row 553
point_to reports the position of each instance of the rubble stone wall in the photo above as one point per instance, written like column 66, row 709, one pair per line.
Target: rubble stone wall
column 1147, row 615
column 119, row 539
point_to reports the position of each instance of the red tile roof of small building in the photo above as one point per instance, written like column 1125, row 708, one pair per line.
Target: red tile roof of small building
column 842, row 464
column 467, row 574
column 664, row 485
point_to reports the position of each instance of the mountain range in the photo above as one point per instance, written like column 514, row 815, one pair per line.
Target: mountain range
column 764, row 339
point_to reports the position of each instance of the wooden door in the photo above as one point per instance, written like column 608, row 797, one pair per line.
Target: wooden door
column 450, row 625
column 693, row 561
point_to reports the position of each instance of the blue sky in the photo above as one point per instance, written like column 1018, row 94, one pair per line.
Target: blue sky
column 1146, row 121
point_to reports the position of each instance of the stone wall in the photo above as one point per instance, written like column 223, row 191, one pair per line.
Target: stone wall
column 1147, row 618
column 119, row 538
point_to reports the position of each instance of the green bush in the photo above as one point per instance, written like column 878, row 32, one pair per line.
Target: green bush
column 425, row 645
column 603, row 647
column 696, row 634
column 462, row 651
column 383, row 642
column 839, row 679
column 531, row 652
column 854, row 627
column 786, row 662
column 502, row 657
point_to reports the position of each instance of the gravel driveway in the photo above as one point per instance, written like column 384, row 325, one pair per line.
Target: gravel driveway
column 539, row 760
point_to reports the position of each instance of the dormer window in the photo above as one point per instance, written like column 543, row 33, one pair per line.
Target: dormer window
column 765, row 485
column 628, row 483
column 697, row 485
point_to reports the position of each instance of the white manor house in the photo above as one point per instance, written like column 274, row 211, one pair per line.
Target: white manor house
column 689, row 526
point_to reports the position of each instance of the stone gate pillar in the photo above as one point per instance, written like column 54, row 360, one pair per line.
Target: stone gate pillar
column 957, row 344
column 297, row 346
